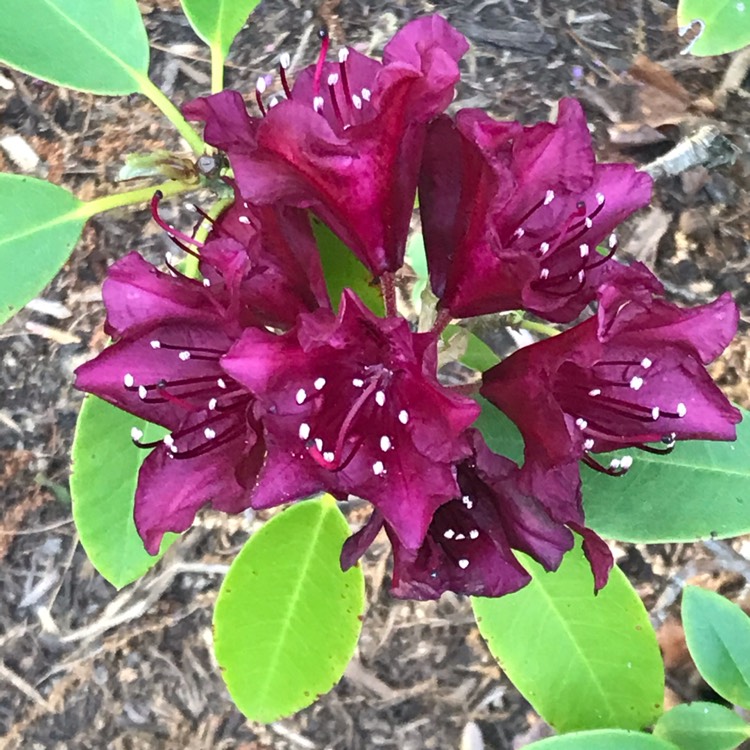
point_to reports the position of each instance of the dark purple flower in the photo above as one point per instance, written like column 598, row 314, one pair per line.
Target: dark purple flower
column 351, row 404
column 347, row 141
column 512, row 216
column 260, row 267
column 470, row 544
column 632, row 375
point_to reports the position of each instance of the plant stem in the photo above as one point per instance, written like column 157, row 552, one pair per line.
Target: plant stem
column 531, row 325
column 159, row 98
column 217, row 69
column 131, row 197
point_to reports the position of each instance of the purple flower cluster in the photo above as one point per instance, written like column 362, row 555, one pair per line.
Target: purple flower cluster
column 270, row 396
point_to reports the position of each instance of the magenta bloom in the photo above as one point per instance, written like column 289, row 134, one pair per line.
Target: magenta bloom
column 469, row 547
column 351, row 404
column 512, row 216
column 347, row 141
column 630, row 376
column 171, row 332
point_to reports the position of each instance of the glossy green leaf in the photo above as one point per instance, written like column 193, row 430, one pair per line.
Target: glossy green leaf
column 91, row 45
column 718, row 638
column 702, row 726
column 700, row 490
column 287, row 618
column 217, row 22
column 40, row 224
column 583, row 661
column 603, row 739
column 344, row 270
column 724, row 25
column 102, row 485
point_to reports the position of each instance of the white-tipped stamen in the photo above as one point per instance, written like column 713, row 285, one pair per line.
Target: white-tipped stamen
column 581, row 423
column 549, row 196
column 366, row 94
column 403, row 416
column 379, row 398
column 385, row 443
column 221, row 383
column 544, row 273
column 681, row 410
column 343, row 54
column 304, row 431
column 328, row 457
column 318, row 103
column 588, row 223
column 318, row 443
column 544, row 247
column 142, row 391
column 449, row 534
column 168, row 440
column 300, row 396
column 358, row 382
column 356, row 101
column 319, row 383
column 595, row 392
column 244, row 220
column 207, row 283
column 612, row 241
column 474, row 534
column 463, row 563
column 520, row 232
column 588, row 444
column 655, row 413
column 156, row 344
column 209, row 433
column 378, row 468
column 212, row 404
column 128, row 380
column 135, row 433
column 600, row 198
column 626, row 462
column 285, row 60
column 260, row 85
column 614, row 463
column 584, row 248
column 646, row 363
column 636, row 382
column 333, row 79
column 184, row 355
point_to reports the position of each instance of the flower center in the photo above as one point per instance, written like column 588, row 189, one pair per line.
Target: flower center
column 609, row 408
column 564, row 259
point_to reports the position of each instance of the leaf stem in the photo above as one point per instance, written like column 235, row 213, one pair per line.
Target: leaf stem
column 131, row 197
column 158, row 97
column 532, row 325
column 217, row 69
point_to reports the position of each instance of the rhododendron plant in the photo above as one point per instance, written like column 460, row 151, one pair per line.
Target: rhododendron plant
column 273, row 387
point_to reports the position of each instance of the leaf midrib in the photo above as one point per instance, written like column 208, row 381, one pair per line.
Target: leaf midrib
column 296, row 593
column 136, row 75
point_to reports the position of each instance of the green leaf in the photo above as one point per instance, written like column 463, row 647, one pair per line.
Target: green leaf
column 102, row 485
column 603, row 739
column 40, row 224
column 725, row 25
column 91, row 45
column 478, row 355
column 633, row 508
column 583, row 661
column 287, row 618
column 217, row 22
column 342, row 270
column 702, row 726
column 700, row 490
column 718, row 638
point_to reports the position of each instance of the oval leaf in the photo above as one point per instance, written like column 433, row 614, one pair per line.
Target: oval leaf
column 217, row 22
column 704, row 486
column 631, row 508
column 718, row 638
column 603, row 739
column 39, row 226
column 102, row 486
column 91, row 45
column 343, row 270
column 287, row 618
column 724, row 25
column 583, row 661
column 702, row 726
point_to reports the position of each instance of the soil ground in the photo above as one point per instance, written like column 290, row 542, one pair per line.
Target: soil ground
column 78, row 668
